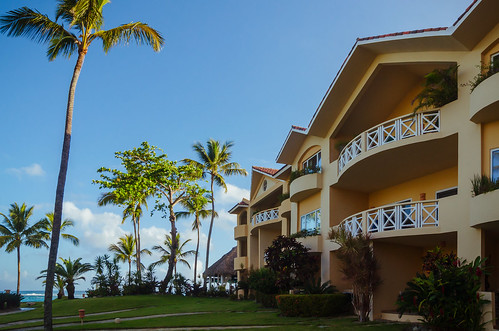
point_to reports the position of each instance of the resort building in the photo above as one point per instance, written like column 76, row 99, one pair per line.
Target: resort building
column 368, row 163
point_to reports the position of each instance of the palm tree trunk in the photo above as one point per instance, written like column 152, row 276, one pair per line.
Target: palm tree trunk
column 71, row 290
column 59, row 195
column 173, row 253
column 209, row 232
column 129, row 272
column 197, row 250
column 137, row 245
column 135, row 232
column 18, row 268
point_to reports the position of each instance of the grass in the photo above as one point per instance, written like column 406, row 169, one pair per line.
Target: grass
column 210, row 312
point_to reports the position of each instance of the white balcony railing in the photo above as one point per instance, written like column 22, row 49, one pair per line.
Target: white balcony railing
column 397, row 129
column 266, row 215
column 408, row 215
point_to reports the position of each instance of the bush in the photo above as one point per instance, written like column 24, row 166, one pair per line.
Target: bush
column 305, row 171
column 266, row 300
column 306, row 233
column 263, row 280
column 485, row 72
column 10, row 300
column 445, row 294
column 483, row 184
column 316, row 305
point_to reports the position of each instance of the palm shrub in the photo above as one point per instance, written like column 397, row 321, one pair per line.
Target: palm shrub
column 107, row 280
column 483, row 184
column 314, row 286
column 445, row 293
column 486, row 70
column 10, row 300
column 360, row 266
column 440, row 88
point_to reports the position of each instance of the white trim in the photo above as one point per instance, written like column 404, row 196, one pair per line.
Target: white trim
column 311, row 212
column 311, row 157
column 445, row 189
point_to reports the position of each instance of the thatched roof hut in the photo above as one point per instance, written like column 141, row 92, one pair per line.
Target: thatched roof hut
column 224, row 266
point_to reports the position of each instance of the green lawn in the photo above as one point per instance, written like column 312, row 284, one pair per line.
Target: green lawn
column 209, row 312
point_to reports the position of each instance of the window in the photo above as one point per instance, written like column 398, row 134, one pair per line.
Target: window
column 311, row 221
column 494, row 61
column 265, row 185
column 494, row 164
column 446, row 193
column 313, row 162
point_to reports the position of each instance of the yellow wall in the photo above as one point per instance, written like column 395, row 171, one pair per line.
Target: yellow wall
column 490, row 141
column 429, row 184
column 308, row 205
column 492, row 49
column 344, row 203
column 405, row 107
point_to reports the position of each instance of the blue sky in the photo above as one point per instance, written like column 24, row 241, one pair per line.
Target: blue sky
column 232, row 70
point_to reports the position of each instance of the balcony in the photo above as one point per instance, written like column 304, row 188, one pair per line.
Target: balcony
column 409, row 215
column 265, row 216
column 241, row 263
column 241, row 231
column 285, row 208
column 305, row 186
column 484, row 211
column 404, row 127
column 484, row 101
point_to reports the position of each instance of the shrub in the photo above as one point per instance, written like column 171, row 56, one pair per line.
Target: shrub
column 10, row 300
column 263, row 280
column 315, row 287
column 282, row 197
column 306, row 233
column 291, row 263
column 483, row 184
column 445, row 294
column 485, row 72
column 316, row 305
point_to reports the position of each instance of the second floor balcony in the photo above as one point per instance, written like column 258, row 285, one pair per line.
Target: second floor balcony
column 400, row 128
column 400, row 216
column 265, row 216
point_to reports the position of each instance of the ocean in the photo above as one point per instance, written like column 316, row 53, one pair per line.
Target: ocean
column 38, row 296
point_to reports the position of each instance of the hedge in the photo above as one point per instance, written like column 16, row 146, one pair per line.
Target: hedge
column 10, row 300
column 308, row 305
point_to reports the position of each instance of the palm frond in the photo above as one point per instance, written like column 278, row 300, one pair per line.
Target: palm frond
column 30, row 23
column 88, row 13
column 64, row 10
column 63, row 44
column 74, row 240
column 140, row 32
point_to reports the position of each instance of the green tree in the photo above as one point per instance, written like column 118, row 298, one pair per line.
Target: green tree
column 124, row 251
column 15, row 231
column 70, row 271
column 214, row 160
column 81, row 24
column 359, row 265
column 179, row 254
column 153, row 174
column 132, row 208
column 49, row 225
column 195, row 205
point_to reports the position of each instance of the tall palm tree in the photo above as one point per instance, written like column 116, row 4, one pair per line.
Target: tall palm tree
column 49, row 225
column 166, row 252
column 215, row 162
column 124, row 251
column 133, row 209
column 81, row 24
column 71, row 271
column 195, row 205
column 15, row 232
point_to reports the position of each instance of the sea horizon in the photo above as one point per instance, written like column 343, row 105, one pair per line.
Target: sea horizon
column 39, row 295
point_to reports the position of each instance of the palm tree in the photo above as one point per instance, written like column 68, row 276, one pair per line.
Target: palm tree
column 133, row 209
column 166, row 252
column 195, row 206
column 49, row 225
column 15, row 232
column 125, row 251
column 81, row 24
column 215, row 162
column 71, row 271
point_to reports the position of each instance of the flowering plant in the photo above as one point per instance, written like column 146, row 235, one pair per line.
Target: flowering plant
column 445, row 293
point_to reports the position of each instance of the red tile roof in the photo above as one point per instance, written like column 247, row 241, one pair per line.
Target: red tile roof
column 294, row 127
column 465, row 12
column 402, row 33
column 242, row 203
column 269, row 171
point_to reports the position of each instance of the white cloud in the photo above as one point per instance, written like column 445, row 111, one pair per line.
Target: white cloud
column 225, row 221
column 99, row 229
column 33, row 170
column 234, row 195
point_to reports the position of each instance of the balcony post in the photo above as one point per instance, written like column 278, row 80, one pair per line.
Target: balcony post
column 364, row 222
